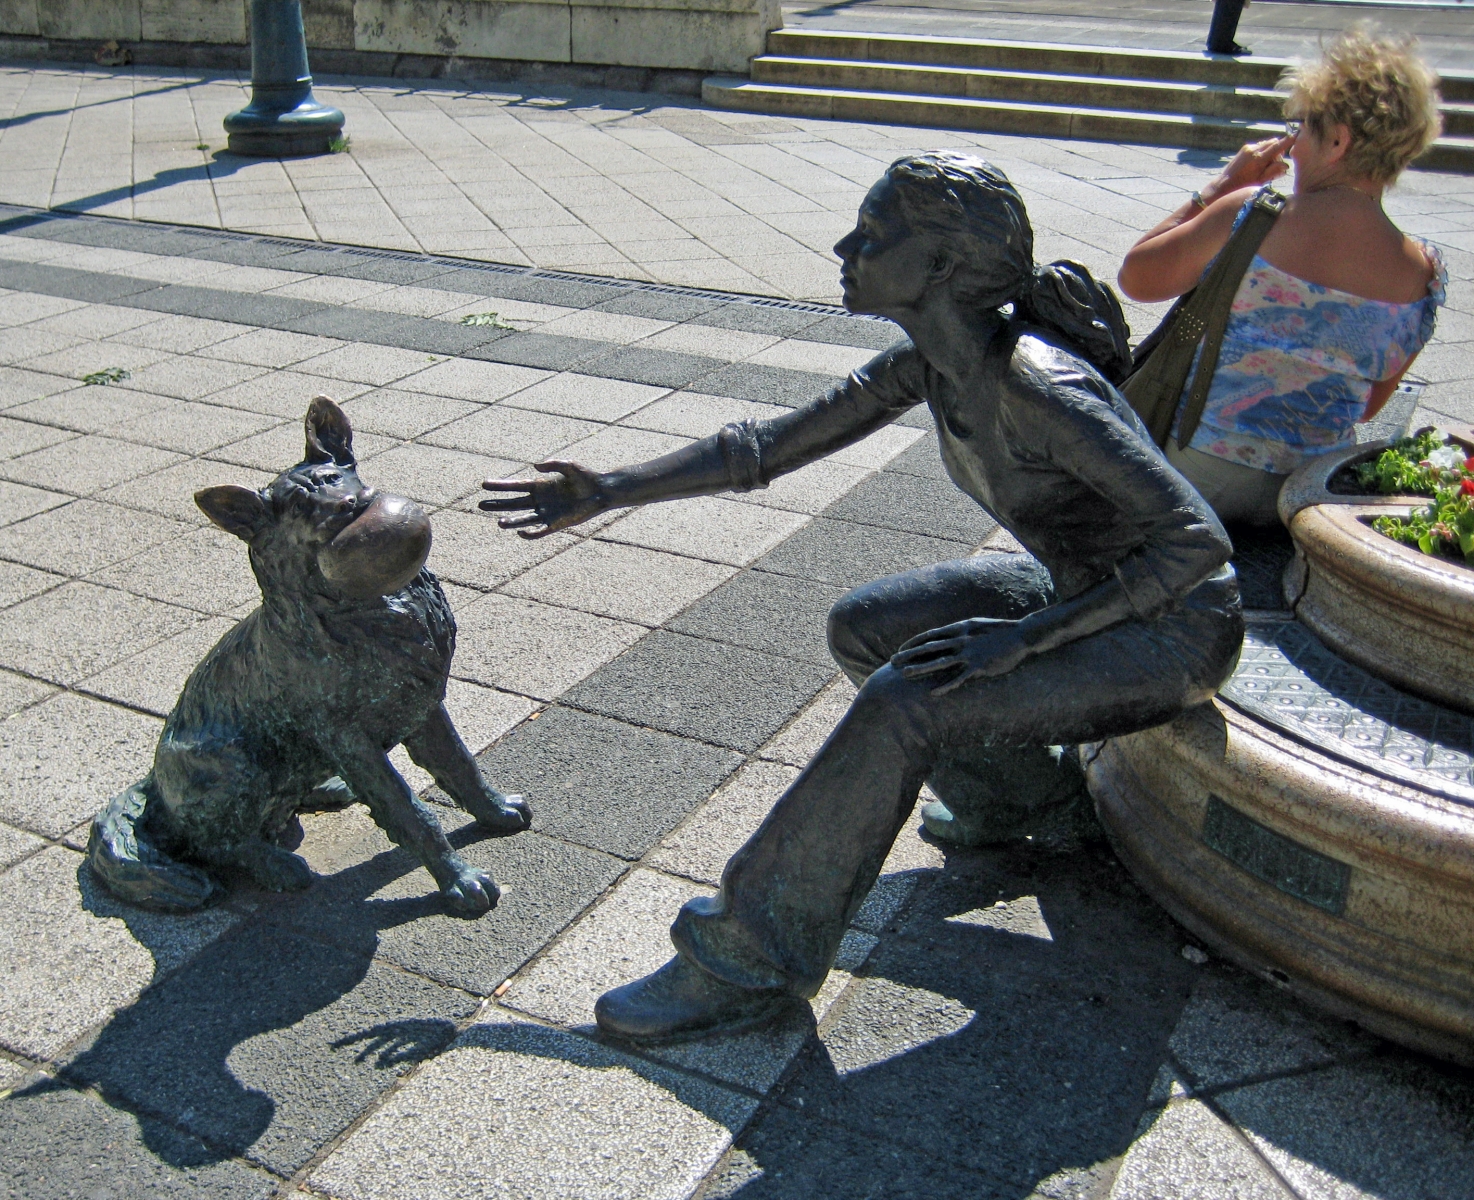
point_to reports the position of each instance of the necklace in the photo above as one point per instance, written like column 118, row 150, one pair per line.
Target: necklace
column 1345, row 187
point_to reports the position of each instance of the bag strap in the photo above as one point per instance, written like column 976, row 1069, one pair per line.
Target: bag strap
column 1212, row 302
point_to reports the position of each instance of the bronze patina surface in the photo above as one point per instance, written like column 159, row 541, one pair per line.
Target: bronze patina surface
column 296, row 708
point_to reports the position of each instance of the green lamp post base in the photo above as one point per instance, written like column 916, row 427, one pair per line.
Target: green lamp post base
column 309, row 128
column 283, row 119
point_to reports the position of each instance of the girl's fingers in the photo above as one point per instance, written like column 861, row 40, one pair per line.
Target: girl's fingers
column 926, row 650
column 506, row 503
column 931, row 668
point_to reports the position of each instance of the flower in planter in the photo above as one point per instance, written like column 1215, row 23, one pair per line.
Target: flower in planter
column 1429, row 463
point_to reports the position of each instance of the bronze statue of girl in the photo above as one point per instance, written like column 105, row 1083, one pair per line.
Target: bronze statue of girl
column 1123, row 612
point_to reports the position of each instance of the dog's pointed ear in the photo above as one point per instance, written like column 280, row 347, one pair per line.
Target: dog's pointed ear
column 329, row 436
column 235, row 509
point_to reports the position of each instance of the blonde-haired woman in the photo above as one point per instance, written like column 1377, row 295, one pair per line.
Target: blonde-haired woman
column 1338, row 302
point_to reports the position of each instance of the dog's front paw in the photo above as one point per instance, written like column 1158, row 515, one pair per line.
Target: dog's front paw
column 502, row 814
column 471, row 892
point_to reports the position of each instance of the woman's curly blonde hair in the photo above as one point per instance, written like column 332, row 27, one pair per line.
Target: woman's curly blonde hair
column 1379, row 89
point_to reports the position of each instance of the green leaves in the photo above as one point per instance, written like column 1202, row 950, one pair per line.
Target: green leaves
column 489, row 319
column 107, row 375
column 1400, row 471
column 1444, row 528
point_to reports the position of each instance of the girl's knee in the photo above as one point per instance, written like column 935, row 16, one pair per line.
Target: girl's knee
column 850, row 631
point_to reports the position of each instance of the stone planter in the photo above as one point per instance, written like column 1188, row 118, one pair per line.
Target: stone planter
column 1297, row 827
column 1405, row 616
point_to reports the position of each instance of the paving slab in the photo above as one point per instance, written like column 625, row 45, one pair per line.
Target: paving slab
column 374, row 899
column 604, row 783
column 400, row 414
column 846, row 554
column 765, row 612
column 1237, row 1028
column 1188, row 1153
column 726, row 695
column 1391, row 1126
column 800, row 739
column 152, row 679
column 786, row 1156
column 83, row 536
column 700, row 847
column 710, row 527
column 16, row 844
column 627, row 936
column 469, row 549
column 894, row 500
column 87, row 464
column 536, row 649
column 518, row 1109
column 269, row 1044
column 170, row 492
column 57, row 1143
column 1028, row 1044
column 72, row 955
column 63, row 758
column 78, row 629
column 625, row 582
column 89, row 409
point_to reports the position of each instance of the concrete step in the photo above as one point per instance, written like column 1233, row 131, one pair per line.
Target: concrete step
column 1252, row 72
column 1449, row 154
column 1034, row 87
column 994, row 116
column 1023, row 118
column 1458, row 120
column 1050, row 57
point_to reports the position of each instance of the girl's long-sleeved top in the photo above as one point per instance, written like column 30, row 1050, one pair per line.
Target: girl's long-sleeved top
column 1045, row 445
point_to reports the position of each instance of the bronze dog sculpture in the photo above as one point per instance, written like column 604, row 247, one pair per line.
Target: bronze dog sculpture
column 296, row 708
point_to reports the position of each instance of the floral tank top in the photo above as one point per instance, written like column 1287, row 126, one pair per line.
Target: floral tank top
column 1298, row 362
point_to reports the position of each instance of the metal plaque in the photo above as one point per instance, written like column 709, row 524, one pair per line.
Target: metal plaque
column 1292, row 868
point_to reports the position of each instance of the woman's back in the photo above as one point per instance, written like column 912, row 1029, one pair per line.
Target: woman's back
column 1338, row 302
column 1340, row 238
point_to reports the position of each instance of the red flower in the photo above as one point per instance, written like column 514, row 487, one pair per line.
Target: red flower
column 1469, row 463
column 1467, row 487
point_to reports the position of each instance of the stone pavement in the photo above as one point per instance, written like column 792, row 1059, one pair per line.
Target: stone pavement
column 999, row 1024
column 634, row 186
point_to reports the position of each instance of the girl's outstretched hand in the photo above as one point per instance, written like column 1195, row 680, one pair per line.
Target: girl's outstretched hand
column 976, row 648
column 570, row 493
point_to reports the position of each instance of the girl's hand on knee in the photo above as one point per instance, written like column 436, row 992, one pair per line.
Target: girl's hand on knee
column 976, row 648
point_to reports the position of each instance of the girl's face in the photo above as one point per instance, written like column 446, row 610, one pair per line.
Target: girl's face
column 886, row 267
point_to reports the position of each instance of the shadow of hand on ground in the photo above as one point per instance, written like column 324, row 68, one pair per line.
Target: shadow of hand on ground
column 1010, row 1034
column 273, row 1037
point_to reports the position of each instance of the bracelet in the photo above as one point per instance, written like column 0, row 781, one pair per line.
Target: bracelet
column 1198, row 202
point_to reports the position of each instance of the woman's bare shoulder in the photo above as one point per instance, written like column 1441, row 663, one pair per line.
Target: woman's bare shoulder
column 1345, row 242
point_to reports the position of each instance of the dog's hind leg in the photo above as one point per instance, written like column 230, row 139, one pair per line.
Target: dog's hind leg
column 438, row 748
column 124, row 857
column 406, row 818
column 271, row 868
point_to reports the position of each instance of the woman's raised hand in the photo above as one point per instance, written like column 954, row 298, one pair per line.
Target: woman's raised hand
column 570, row 493
column 1253, row 166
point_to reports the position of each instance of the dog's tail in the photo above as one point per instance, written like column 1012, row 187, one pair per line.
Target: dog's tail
column 122, row 856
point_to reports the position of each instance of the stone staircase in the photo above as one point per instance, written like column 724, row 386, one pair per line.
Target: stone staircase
column 1159, row 97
